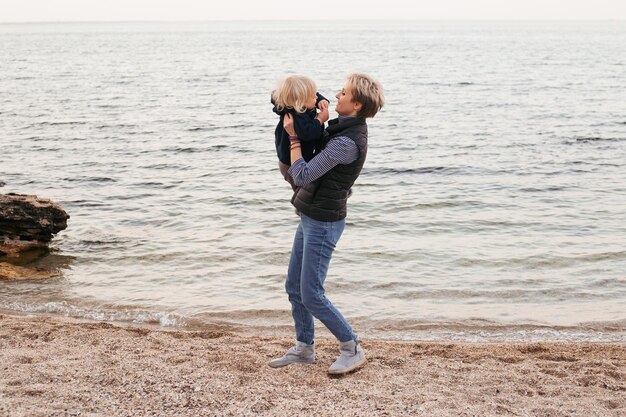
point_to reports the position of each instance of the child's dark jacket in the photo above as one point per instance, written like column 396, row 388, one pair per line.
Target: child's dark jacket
column 309, row 130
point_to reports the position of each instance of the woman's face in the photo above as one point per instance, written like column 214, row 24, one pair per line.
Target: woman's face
column 345, row 106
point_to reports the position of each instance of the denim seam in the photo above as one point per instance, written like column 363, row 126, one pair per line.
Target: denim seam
column 302, row 308
column 302, row 314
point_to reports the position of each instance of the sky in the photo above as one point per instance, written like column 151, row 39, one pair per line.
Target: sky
column 183, row 10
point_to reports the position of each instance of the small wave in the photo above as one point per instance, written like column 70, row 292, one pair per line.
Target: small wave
column 177, row 167
column 545, row 261
column 154, row 184
column 89, row 179
column 610, row 326
column 478, row 323
column 194, row 80
column 394, row 171
column 201, row 129
column 68, row 123
column 541, row 190
column 107, row 106
column 102, row 242
column 143, row 132
column 397, row 208
column 45, row 149
column 605, row 283
column 512, row 295
column 160, row 318
column 84, row 203
column 275, row 322
column 237, row 126
column 437, row 170
column 127, row 197
column 179, row 150
column 483, row 331
column 242, row 316
column 115, row 126
column 437, row 84
column 596, row 139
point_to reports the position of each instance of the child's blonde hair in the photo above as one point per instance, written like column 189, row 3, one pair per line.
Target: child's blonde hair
column 368, row 92
column 293, row 92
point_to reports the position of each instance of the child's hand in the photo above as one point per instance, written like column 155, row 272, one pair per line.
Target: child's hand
column 323, row 115
column 288, row 125
column 323, row 104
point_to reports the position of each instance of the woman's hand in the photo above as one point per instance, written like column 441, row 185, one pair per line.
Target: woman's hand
column 288, row 125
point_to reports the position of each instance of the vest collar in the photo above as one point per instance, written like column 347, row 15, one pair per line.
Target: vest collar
column 337, row 125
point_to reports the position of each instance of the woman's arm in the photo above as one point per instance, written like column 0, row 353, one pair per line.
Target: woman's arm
column 296, row 152
column 339, row 150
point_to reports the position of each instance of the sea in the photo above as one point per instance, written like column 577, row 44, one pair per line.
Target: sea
column 491, row 208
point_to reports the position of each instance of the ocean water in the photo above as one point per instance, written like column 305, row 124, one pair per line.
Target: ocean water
column 492, row 206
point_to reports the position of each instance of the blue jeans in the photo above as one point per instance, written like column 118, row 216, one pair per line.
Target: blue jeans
column 312, row 250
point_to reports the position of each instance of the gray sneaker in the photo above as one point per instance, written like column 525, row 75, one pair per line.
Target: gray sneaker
column 351, row 357
column 300, row 353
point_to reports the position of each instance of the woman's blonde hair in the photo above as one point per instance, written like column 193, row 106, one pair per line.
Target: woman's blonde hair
column 368, row 92
column 293, row 92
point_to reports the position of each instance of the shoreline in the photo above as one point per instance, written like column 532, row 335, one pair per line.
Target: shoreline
column 279, row 323
column 59, row 366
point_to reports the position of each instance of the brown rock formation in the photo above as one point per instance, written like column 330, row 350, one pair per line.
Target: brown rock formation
column 28, row 223
column 16, row 273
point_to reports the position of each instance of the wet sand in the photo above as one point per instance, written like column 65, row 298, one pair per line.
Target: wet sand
column 60, row 367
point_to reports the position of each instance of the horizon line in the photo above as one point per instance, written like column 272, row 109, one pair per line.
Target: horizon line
column 324, row 20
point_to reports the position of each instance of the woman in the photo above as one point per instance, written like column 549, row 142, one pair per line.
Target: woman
column 324, row 185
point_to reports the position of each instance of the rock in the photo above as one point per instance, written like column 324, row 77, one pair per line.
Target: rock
column 15, row 273
column 28, row 223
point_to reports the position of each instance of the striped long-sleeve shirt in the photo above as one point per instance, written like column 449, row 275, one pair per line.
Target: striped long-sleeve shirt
column 339, row 150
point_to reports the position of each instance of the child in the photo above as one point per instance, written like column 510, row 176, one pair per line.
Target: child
column 296, row 95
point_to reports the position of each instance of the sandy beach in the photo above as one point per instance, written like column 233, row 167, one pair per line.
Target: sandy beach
column 61, row 367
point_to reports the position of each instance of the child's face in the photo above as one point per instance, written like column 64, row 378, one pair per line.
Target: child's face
column 310, row 103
